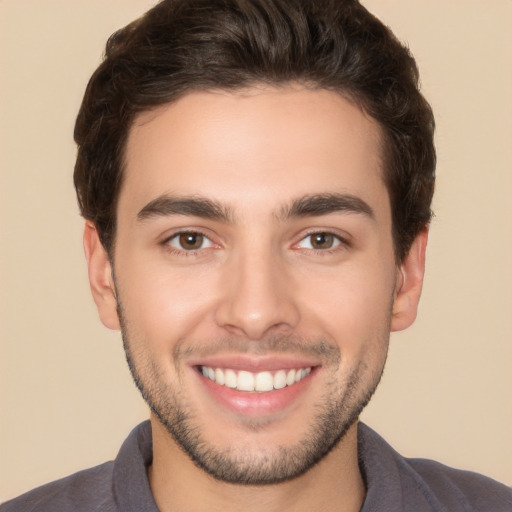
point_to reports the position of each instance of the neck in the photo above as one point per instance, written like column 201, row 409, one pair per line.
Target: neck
column 335, row 483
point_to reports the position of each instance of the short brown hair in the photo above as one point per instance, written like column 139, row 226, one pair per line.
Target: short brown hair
column 184, row 45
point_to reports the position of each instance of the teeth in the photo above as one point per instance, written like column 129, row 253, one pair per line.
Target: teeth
column 219, row 376
column 260, row 382
column 280, row 379
column 230, row 379
column 264, row 381
column 245, row 381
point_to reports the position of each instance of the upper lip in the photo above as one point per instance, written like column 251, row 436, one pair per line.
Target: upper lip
column 254, row 363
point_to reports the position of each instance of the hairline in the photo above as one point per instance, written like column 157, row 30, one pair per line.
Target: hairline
column 383, row 143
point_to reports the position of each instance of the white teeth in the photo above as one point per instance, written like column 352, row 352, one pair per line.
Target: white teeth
column 230, row 379
column 245, row 381
column 219, row 376
column 264, row 382
column 280, row 379
column 260, row 382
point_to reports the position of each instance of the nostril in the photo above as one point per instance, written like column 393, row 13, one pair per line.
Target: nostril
column 257, row 322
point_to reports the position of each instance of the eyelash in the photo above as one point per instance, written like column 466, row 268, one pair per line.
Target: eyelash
column 185, row 252
column 342, row 242
column 339, row 241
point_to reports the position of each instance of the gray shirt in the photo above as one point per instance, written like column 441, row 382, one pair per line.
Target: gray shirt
column 394, row 483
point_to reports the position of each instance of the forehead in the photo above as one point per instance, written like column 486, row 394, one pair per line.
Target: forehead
column 264, row 144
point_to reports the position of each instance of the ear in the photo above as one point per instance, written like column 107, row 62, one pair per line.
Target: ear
column 100, row 277
column 409, row 284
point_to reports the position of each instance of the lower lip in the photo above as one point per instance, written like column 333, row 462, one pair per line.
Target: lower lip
column 254, row 403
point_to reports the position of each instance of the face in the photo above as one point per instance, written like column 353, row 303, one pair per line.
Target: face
column 255, row 279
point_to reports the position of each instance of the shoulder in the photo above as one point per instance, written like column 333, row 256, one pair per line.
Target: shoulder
column 118, row 485
column 87, row 490
column 402, row 484
column 465, row 489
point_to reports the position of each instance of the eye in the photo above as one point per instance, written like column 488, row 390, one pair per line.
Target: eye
column 320, row 241
column 189, row 241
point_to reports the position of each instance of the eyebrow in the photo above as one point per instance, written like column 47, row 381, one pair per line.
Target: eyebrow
column 166, row 205
column 306, row 206
column 324, row 204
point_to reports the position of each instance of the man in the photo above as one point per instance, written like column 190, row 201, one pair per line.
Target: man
column 256, row 180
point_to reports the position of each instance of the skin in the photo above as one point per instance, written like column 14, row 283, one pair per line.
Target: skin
column 256, row 289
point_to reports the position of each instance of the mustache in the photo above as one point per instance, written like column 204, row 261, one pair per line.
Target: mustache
column 320, row 349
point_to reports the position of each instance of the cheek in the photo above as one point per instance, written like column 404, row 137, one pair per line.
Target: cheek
column 164, row 305
column 353, row 304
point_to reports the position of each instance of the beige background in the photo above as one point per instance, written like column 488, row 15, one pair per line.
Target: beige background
column 67, row 401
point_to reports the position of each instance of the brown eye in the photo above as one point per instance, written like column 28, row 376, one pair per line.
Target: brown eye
column 322, row 240
column 191, row 241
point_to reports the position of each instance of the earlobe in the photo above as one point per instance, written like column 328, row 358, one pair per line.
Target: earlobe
column 100, row 277
column 409, row 284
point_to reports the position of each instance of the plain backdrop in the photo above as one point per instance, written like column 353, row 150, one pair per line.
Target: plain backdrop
column 67, row 400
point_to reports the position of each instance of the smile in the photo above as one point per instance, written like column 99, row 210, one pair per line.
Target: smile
column 259, row 382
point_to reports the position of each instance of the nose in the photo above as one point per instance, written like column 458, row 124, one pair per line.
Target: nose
column 257, row 298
